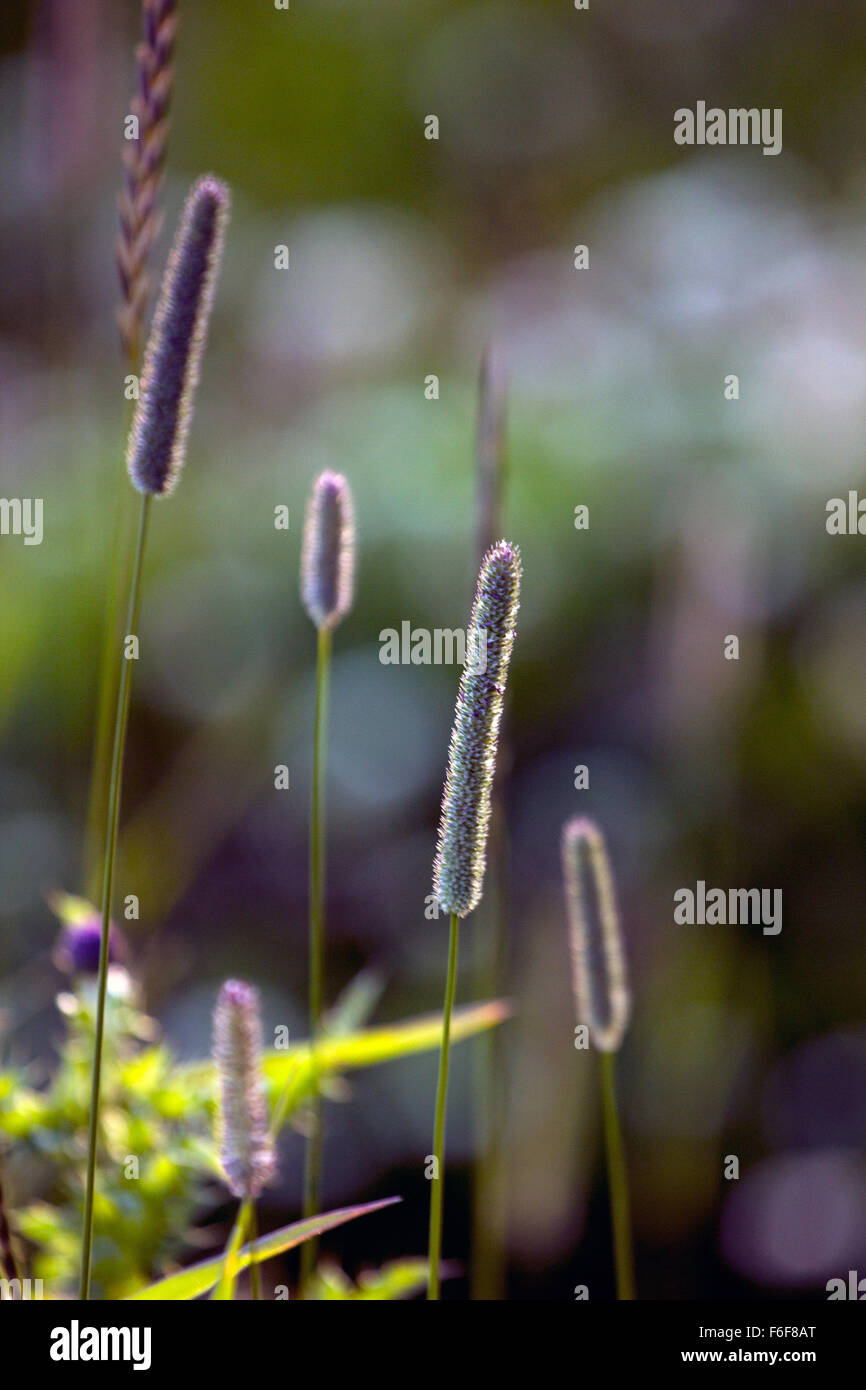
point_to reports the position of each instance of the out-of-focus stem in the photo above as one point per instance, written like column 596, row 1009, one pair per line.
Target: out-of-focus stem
column 438, row 1179
column 313, row 1161
column 7, row 1254
column 491, row 939
column 489, row 1176
column 617, row 1177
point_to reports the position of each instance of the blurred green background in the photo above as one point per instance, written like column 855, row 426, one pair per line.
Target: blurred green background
column 706, row 519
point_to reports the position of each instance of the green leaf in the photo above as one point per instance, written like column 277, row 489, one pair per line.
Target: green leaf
column 291, row 1075
column 198, row 1279
column 384, row 1044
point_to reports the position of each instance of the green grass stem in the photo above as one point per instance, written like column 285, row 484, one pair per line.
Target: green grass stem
column 110, row 852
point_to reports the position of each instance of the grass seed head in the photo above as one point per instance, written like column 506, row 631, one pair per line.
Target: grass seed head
column 328, row 551
column 157, row 441
column 458, row 871
column 245, row 1147
column 601, row 992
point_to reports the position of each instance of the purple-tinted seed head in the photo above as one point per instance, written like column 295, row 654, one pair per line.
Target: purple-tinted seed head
column 601, row 993
column 246, row 1151
column 328, row 551
column 458, row 872
column 79, row 945
column 157, row 441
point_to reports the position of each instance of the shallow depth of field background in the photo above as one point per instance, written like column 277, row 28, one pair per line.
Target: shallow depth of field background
column 707, row 518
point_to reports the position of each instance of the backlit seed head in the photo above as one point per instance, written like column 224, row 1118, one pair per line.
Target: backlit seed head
column 157, row 441
column 328, row 551
column 458, row 871
column 601, row 992
column 245, row 1147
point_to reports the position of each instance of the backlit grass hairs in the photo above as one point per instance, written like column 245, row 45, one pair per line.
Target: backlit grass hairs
column 603, row 1004
column 328, row 551
column 245, row 1146
column 157, row 441
column 458, row 873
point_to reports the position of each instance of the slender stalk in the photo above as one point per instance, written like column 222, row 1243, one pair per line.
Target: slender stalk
column 617, row 1177
column 106, row 703
column 255, row 1272
column 313, row 1162
column 112, row 820
column 489, row 1176
column 438, row 1180
column 225, row 1288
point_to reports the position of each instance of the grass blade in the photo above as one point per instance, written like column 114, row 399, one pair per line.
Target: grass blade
column 200, row 1278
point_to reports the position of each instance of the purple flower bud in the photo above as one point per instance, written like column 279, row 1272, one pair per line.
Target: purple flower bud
column 78, row 947
column 458, row 873
column 246, row 1151
column 328, row 551
column 601, row 993
column 157, row 441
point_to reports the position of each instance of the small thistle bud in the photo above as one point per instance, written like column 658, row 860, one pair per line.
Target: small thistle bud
column 79, row 943
column 601, row 991
column 246, row 1151
column 78, row 949
column 458, row 872
column 157, row 441
column 328, row 551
